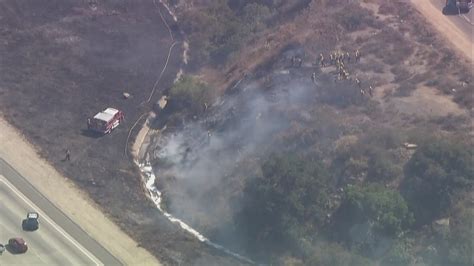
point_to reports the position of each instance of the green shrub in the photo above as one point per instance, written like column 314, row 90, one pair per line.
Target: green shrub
column 382, row 168
column 191, row 95
column 382, row 207
column 285, row 204
column 439, row 171
column 401, row 254
column 254, row 16
column 216, row 31
column 459, row 243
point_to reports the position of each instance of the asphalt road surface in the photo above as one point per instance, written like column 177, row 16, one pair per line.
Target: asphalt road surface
column 464, row 22
column 456, row 28
column 59, row 241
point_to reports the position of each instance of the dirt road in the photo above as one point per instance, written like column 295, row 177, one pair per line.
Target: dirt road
column 453, row 28
column 22, row 156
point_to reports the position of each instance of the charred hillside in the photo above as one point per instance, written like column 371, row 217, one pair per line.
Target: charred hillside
column 63, row 61
column 324, row 149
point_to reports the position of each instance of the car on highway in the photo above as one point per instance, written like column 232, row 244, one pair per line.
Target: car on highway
column 456, row 7
column 31, row 222
column 17, row 245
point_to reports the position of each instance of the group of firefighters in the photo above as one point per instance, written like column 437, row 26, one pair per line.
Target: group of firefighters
column 339, row 60
column 296, row 61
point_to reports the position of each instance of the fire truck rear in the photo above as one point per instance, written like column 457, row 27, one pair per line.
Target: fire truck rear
column 104, row 122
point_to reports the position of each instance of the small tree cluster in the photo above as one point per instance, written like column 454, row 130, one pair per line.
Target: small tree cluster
column 384, row 208
column 285, row 204
column 436, row 175
column 216, row 31
column 190, row 94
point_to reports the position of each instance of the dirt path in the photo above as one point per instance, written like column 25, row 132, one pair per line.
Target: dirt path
column 23, row 157
column 460, row 39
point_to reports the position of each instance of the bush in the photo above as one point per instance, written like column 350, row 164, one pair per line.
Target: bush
column 439, row 171
column 191, row 95
column 211, row 31
column 333, row 254
column 405, row 89
column 456, row 247
column 374, row 204
column 216, row 31
column 452, row 122
column 459, row 243
column 401, row 254
column 254, row 16
column 285, row 204
column 383, row 138
column 356, row 19
column 382, row 168
column 371, row 156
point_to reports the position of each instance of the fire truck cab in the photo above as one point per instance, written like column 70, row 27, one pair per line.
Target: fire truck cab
column 104, row 122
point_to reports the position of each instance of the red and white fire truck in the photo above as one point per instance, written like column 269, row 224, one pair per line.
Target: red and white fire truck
column 104, row 122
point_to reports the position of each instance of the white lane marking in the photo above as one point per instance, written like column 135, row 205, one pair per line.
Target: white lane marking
column 51, row 222
column 466, row 19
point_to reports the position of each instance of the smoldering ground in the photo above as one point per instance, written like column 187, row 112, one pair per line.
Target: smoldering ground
column 203, row 167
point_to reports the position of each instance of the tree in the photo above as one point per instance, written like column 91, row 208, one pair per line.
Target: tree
column 383, row 206
column 373, row 204
column 381, row 167
column 216, row 31
column 459, row 243
column 285, row 204
column 436, row 175
column 254, row 16
column 401, row 253
column 373, row 155
column 190, row 94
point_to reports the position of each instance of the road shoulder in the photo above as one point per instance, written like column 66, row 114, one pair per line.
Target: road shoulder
column 446, row 27
column 21, row 155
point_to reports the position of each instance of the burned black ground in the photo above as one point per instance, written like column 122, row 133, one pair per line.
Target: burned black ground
column 63, row 61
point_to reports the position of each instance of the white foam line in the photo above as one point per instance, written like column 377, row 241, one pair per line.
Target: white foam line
column 155, row 196
column 52, row 223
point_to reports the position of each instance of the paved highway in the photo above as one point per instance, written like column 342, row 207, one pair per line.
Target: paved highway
column 464, row 22
column 59, row 241
column 49, row 245
column 456, row 29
